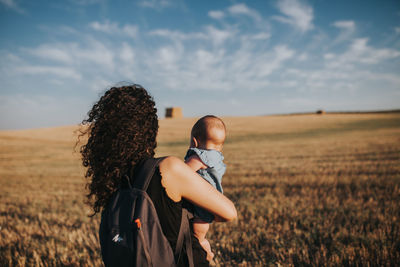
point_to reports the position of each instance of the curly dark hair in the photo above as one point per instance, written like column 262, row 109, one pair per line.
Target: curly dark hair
column 121, row 129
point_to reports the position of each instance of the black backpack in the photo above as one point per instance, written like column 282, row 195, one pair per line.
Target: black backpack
column 130, row 231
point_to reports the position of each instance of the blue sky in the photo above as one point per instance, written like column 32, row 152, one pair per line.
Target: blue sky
column 228, row 58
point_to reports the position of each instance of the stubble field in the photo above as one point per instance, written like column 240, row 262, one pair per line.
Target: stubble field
column 310, row 190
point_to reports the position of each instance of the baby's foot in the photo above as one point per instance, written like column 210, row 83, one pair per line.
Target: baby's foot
column 210, row 256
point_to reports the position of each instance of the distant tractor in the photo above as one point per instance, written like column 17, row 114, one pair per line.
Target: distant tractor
column 321, row 111
column 174, row 112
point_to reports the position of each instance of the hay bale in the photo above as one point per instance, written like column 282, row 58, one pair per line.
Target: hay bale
column 174, row 112
column 321, row 111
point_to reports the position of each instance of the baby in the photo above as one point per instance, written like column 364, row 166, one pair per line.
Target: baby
column 205, row 157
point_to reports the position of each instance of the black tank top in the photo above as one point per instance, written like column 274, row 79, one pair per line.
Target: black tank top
column 170, row 214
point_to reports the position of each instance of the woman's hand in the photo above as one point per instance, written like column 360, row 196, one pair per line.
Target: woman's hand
column 180, row 181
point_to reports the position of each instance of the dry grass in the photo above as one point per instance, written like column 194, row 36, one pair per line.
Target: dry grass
column 310, row 190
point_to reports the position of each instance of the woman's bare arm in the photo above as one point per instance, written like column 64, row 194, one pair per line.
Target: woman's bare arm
column 180, row 181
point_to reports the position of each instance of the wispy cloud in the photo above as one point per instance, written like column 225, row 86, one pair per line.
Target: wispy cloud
column 360, row 53
column 106, row 27
column 260, row 36
column 345, row 24
column 90, row 52
column 12, row 4
column 127, row 53
column 177, row 35
column 56, row 53
column 243, row 9
column 210, row 33
column 347, row 29
column 237, row 11
column 349, row 72
column 87, row 2
column 218, row 36
column 298, row 14
column 155, row 4
column 64, row 72
column 216, row 14
column 113, row 28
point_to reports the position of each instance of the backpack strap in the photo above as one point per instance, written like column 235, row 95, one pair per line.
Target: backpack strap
column 146, row 171
column 185, row 235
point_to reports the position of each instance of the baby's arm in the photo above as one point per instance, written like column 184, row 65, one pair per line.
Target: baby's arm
column 195, row 163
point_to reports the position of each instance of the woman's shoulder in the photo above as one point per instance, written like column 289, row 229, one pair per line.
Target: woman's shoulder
column 172, row 165
column 171, row 169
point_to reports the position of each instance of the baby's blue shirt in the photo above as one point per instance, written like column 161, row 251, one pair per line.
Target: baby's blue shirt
column 216, row 168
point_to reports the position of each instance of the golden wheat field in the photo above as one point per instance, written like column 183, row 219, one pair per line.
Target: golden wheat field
column 310, row 190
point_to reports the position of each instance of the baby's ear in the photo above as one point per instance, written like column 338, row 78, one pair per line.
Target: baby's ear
column 193, row 142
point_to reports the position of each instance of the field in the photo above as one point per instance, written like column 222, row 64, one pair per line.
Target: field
column 310, row 190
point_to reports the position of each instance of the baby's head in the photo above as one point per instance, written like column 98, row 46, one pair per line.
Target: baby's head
column 208, row 133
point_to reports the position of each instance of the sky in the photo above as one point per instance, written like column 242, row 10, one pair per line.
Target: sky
column 226, row 57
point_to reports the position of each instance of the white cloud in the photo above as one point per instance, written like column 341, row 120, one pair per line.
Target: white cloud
column 283, row 53
column 347, row 28
column 298, row 14
column 106, row 27
column 218, row 36
column 360, row 53
column 349, row 72
column 87, row 2
column 63, row 72
column 12, row 4
column 205, row 59
column 9, row 57
column 130, row 30
column 329, row 56
column 74, row 54
column 99, row 84
column 261, row 36
column 243, row 9
column 216, row 14
column 268, row 63
column 96, row 53
column 156, row 4
column 303, row 57
column 60, row 65
column 165, row 64
column 127, row 54
column 210, row 33
column 397, row 30
column 113, row 28
column 51, row 52
column 177, row 69
column 177, row 35
column 345, row 24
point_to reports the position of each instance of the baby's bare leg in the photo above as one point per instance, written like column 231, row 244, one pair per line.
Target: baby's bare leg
column 200, row 230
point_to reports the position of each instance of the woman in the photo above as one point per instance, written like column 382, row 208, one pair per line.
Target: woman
column 122, row 130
